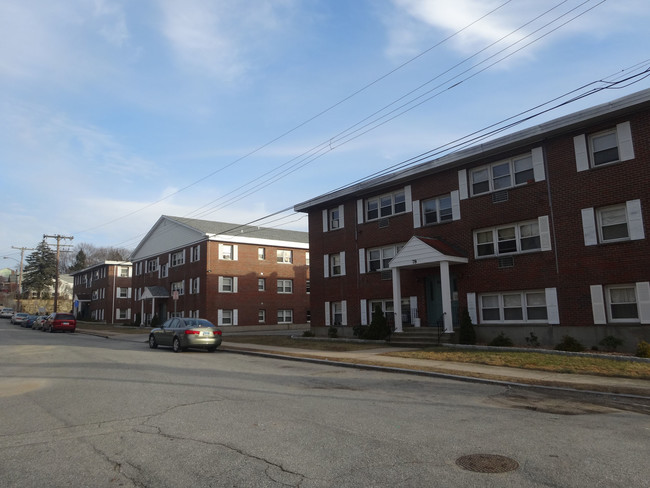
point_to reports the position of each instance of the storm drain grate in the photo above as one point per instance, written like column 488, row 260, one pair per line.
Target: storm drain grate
column 487, row 463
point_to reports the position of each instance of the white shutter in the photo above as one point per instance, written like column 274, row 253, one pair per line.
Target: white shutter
column 220, row 284
column 589, row 227
column 635, row 220
column 128, row 292
column 342, row 263
column 234, row 284
column 582, row 155
column 325, row 220
column 198, row 253
column 413, row 304
column 235, row 317
column 552, row 310
column 362, row 261
column 117, row 313
column 326, row 265
column 341, row 216
column 327, row 313
column 364, row 312
column 471, row 307
column 235, row 252
column 130, row 271
column 625, row 146
column 416, row 214
column 544, row 233
column 220, row 251
column 220, row 317
column 462, row 184
column 407, row 197
column 538, row 163
column 598, row 304
column 128, row 313
column 643, row 301
column 344, row 312
column 455, row 205
column 360, row 212
column 198, row 285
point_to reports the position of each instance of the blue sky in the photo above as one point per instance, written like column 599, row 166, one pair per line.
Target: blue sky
column 114, row 112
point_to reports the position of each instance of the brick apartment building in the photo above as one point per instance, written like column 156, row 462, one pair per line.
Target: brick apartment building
column 227, row 273
column 103, row 292
column 544, row 231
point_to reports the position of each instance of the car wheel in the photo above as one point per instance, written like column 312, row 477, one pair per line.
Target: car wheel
column 152, row 342
column 176, row 345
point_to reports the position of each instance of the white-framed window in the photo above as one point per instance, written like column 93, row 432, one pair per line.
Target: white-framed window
column 284, row 256
column 388, row 308
column 123, row 313
column 195, row 253
column 261, row 253
column 124, row 272
column 502, row 174
column 179, row 286
column 228, row 284
column 164, row 270
column 261, row 284
column 95, row 295
column 227, row 252
column 307, row 258
column 194, row 314
column 308, row 286
column 337, row 313
column 123, row 292
column 516, row 238
column 386, row 205
column 380, row 257
column 335, row 216
column 261, row 316
column 605, row 147
column 285, row 286
column 437, row 210
column 515, row 306
column 195, row 284
column 285, row 316
column 336, row 264
column 178, row 258
column 614, row 223
column 226, row 317
column 622, row 303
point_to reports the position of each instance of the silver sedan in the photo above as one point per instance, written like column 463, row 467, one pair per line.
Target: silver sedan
column 182, row 333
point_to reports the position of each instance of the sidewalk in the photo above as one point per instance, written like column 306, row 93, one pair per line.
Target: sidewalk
column 375, row 359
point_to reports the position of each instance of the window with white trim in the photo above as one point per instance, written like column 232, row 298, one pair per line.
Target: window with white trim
column 337, row 313
column 261, row 253
column 123, row 313
column 195, row 253
column 388, row 308
column 334, row 218
column 261, row 284
column 307, row 258
column 227, row 284
column 614, row 223
column 603, row 147
column 124, row 272
column 502, row 174
column 164, row 270
column 335, row 264
column 380, row 257
column 226, row 317
column 226, row 252
column 195, row 285
column 123, row 292
column 178, row 286
column 386, row 205
column 284, row 256
column 437, row 210
column 285, row 316
column 518, row 306
column 285, row 286
column 508, row 239
column 261, row 316
column 178, row 258
column 622, row 303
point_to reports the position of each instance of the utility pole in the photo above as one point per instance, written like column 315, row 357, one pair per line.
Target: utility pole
column 58, row 238
column 20, row 273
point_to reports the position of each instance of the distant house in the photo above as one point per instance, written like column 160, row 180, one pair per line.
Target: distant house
column 542, row 231
column 227, row 273
column 103, row 292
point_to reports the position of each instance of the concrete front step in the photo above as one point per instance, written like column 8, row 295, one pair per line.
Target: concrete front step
column 419, row 337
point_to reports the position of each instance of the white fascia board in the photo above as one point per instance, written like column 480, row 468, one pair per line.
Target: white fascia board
column 520, row 138
column 258, row 241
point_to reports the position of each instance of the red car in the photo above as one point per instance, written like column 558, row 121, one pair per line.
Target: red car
column 60, row 321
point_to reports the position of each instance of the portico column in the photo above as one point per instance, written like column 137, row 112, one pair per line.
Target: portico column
column 153, row 307
column 397, row 300
column 446, row 296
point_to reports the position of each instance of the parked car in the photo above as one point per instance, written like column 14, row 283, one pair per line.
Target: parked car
column 38, row 323
column 182, row 333
column 6, row 313
column 29, row 322
column 60, row 321
column 19, row 318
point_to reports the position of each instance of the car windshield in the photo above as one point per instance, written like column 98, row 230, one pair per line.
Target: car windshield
column 198, row 323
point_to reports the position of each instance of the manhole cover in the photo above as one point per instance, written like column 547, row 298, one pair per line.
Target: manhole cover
column 487, row 463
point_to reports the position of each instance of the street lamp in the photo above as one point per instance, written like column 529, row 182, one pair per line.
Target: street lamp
column 20, row 280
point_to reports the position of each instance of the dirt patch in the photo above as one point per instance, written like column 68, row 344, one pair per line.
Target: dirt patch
column 18, row 386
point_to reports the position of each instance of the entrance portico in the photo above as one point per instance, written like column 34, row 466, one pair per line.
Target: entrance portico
column 425, row 252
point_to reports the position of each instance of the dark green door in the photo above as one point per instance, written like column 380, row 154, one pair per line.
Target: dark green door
column 434, row 299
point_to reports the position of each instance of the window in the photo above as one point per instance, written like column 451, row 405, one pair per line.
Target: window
column 261, row 284
column 178, row 258
column 164, row 270
column 308, row 285
column 615, row 223
column 307, row 258
column 261, row 253
column 386, row 205
column 388, row 308
column 603, row 147
column 195, row 286
column 226, row 252
column 612, row 223
column 335, row 265
column 285, row 316
column 123, row 313
column 178, row 286
column 525, row 306
column 227, row 284
column 337, row 313
column 124, row 272
column 261, row 316
column 379, row 258
column 517, row 238
column 334, row 218
column 195, row 254
column 285, row 286
column 622, row 303
column 503, row 174
column 437, row 210
column 285, row 256
column 123, row 293
column 226, row 317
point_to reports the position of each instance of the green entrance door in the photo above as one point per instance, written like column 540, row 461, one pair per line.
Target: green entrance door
column 433, row 286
